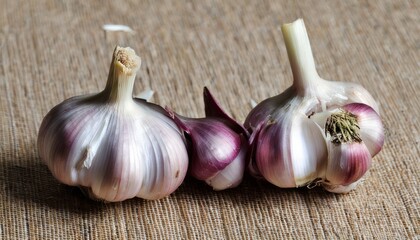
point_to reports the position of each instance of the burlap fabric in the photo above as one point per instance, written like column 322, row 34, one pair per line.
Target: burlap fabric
column 52, row 50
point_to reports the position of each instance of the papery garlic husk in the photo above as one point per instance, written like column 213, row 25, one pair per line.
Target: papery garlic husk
column 288, row 147
column 218, row 146
column 116, row 146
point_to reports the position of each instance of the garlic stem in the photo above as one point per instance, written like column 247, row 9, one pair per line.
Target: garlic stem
column 122, row 73
column 305, row 76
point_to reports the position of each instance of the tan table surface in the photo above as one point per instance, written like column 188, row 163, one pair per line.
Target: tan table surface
column 52, row 50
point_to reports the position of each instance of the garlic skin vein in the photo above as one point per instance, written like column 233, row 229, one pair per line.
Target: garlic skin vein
column 116, row 146
column 289, row 146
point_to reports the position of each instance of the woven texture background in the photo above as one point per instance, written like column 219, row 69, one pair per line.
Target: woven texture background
column 52, row 50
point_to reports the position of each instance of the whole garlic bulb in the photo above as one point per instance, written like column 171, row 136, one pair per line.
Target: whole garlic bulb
column 291, row 146
column 116, row 146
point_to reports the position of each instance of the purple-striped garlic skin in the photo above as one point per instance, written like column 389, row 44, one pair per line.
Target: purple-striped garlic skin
column 217, row 144
column 213, row 146
column 115, row 146
column 347, row 163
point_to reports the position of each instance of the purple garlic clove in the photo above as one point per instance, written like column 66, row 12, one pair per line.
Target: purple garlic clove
column 218, row 145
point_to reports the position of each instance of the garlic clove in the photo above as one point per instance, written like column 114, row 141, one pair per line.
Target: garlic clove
column 367, row 122
column 112, row 145
column 354, row 134
column 213, row 145
column 349, row 157
column 274, row 163
column 347, row 162
column 218, row 145
column 299, row 155
column 308, row 150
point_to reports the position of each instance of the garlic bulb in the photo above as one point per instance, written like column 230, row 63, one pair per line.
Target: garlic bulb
column 218, row 145
column 116, row 146
column 297, row 136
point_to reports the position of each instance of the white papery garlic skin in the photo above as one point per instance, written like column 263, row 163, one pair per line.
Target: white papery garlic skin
column 288, row 144
column 112, row 144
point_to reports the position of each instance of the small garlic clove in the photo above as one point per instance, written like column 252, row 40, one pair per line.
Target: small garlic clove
column 218, row 145
column 369, row 126
column 347, row 162
column 354, row 134
column 214, row 146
